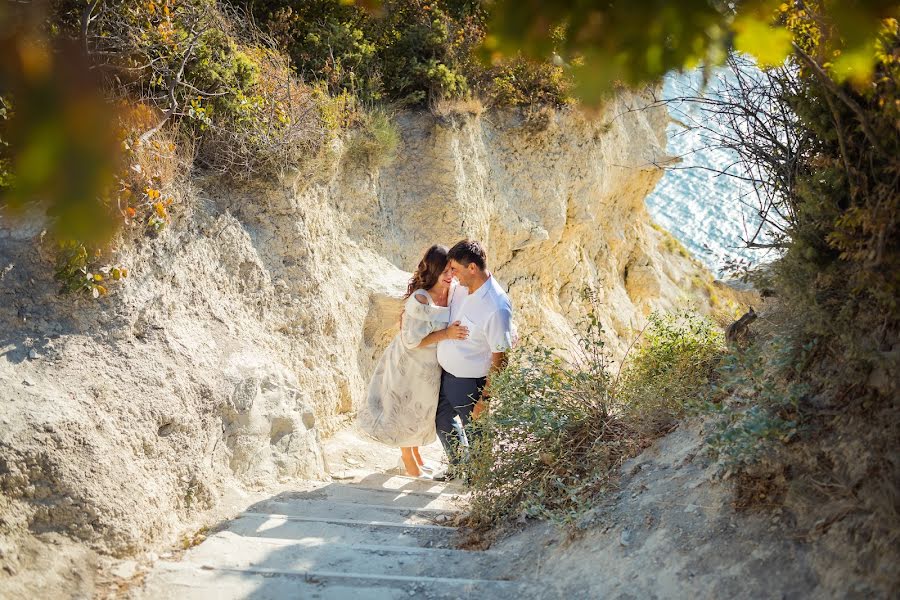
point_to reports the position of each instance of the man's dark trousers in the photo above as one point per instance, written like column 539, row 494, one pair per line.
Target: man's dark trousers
column 458, row 396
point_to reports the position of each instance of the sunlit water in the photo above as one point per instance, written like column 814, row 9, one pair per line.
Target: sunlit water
column 701, row 208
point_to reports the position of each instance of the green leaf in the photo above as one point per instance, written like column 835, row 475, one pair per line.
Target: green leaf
column 769, row 45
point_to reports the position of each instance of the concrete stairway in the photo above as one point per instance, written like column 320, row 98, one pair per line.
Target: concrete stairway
column 377, row 537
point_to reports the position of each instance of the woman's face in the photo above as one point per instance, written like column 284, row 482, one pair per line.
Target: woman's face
column 446, row 276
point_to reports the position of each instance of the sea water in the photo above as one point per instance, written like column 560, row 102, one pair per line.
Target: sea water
column 710, row 213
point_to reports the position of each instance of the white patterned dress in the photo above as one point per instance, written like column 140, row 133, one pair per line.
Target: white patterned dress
column 403, row 393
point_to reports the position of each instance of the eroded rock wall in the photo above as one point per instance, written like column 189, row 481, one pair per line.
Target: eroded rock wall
column 559, row 204
column 249, row 327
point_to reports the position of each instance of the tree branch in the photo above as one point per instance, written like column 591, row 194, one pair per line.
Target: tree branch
column 835, row 89
column 87, row 16
column 173, row 85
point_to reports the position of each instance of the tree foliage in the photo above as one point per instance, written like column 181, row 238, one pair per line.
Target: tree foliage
column 67, row 76
column 414, row 52
column 618, row 42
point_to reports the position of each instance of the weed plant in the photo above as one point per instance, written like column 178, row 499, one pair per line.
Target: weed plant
column 375, row 139
column 674, row 359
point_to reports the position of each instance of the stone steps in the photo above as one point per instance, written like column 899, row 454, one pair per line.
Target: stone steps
column 351, row 510
column 342, row 531
column 376, row 537
column 192, row 583
column 228, row 550
column 392, row 498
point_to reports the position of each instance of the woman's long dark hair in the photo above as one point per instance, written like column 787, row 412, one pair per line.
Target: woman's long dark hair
column 429, row 270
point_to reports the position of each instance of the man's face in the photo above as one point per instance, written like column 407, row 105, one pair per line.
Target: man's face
column 461, row 271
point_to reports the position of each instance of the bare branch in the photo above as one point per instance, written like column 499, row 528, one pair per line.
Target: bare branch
column 841, row 94
column 87, row 17
column 173, row 84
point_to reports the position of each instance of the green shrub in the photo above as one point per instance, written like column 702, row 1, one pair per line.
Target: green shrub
column 519, row 82
column 411, row 52
column 271, row 121
column 558, row 430
column 328, row 40
column 755, row 401
column 676, row 356
column 74, row 271
column 552, row 438
column 422, row 49
column 744, row 434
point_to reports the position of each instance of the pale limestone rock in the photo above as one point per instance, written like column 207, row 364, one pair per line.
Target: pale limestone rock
column 269, row 424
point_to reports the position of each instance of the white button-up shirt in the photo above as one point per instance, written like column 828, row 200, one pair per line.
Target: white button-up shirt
column 488, row 315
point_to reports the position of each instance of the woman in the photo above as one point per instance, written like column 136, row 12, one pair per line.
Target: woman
column 403, row 393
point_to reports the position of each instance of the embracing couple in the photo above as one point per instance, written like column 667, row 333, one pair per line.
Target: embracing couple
column 455, row 331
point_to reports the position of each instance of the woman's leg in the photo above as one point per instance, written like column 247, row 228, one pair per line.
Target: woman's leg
column 417, row 456
column 409, row 461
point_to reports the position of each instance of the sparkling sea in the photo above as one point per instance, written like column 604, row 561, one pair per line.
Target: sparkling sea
column 702, row 209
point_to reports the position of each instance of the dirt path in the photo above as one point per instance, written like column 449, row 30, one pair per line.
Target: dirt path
column 365, row 534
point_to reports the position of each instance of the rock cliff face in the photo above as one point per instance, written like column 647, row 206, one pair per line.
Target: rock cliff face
column 249, row 327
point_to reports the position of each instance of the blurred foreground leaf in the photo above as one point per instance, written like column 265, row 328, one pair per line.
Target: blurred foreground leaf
column 59, row 138
column 754, row 36
column 623, row 41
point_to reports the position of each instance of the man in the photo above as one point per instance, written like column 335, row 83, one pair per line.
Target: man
column 480, row 304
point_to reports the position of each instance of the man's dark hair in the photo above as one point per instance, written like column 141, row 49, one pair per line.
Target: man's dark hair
column 467, row 252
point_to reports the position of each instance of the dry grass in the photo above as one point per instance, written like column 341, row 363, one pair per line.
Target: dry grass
column 375, row 139
column 461, row 107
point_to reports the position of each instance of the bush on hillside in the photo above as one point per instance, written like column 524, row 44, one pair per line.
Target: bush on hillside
column 182, row 83
column 812, row 403
column 214, row 77
column 676, row 355
column 519, row 82
column 375, row 138
column 558, row 430
column 328, row 41
column 822, row 152
column 412, row 52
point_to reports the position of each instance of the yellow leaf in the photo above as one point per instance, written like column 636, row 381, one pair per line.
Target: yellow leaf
column 856, row 65
column 769, row 45
column 160, row 209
